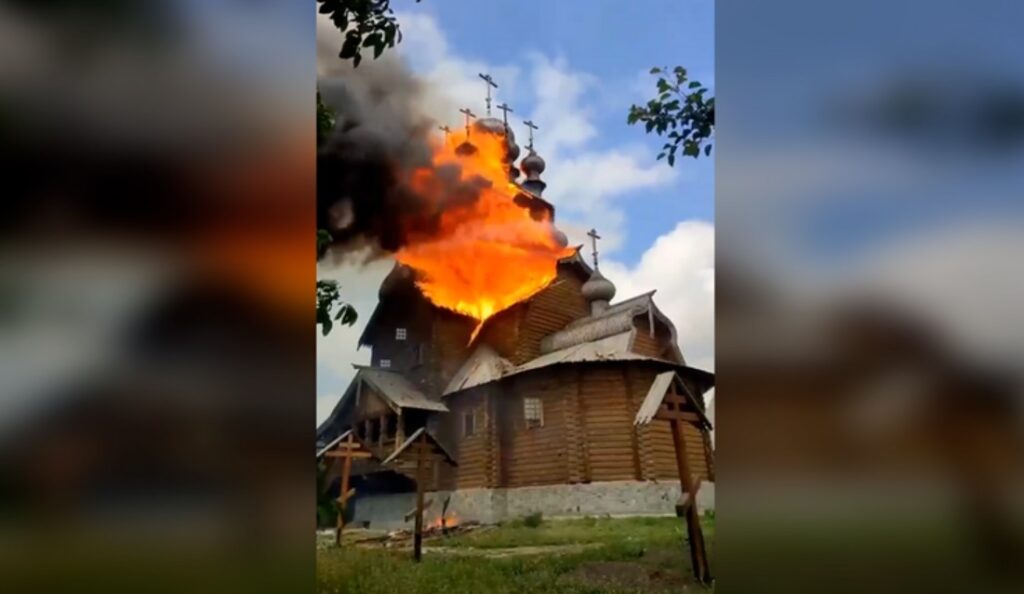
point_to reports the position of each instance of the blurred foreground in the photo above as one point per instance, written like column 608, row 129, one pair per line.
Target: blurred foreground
column 869, row 333
column 156, row 315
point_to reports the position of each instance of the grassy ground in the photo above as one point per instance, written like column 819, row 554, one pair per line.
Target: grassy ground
column 559, row 556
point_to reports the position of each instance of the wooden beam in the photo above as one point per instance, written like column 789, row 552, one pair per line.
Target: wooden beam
column 698, row 555
column 348, row 454
column 421, row 478
column 672, row 415
column 347, row 469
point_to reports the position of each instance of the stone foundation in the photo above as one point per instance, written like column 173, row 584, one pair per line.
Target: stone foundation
column 489, row 506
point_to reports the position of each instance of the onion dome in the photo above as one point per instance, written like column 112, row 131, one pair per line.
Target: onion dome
column 560, row 238
column 598, row 288
column 599, row 291
column 532, row 165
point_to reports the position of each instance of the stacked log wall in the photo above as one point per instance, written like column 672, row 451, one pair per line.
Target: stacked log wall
column 538, row 455
column 549, row 311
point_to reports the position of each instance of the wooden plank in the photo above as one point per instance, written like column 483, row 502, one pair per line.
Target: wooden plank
column 348, row 455
column 347, row 469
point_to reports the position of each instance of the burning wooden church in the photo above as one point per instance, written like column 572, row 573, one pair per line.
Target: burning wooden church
column 536, row 402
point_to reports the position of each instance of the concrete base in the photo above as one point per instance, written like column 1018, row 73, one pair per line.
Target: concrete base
column 489, row 506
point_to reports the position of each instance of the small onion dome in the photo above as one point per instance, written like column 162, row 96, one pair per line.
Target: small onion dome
column 562, row 240
column 598, row 288
column 532, row 165
column 492, row 125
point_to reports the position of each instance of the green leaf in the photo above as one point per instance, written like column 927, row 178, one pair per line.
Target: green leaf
column 672, row 160
column 655, row 70
column 707, row 150
column 694, row 85
column 372, row 39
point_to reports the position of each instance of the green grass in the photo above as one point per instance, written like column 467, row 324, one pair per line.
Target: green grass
column 600, row 556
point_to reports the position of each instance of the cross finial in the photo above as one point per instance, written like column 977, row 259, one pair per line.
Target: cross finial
column 505, row 109
column 490, row 83
column 593, row 241
column 469, row 114
column 446, row 131
column 532, row 127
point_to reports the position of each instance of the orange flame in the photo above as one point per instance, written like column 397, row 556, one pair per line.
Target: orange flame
column 489, row 254
column 450, row 521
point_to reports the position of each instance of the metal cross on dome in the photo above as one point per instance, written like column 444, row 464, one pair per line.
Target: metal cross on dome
column 532, row 127
column 490, row 83
column 446, row 131
column 505, row 109
column 468, row 114
column 592, row 234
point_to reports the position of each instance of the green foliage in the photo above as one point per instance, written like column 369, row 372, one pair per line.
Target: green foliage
column 331, row 308
column 324, row 124
column 533, row 520
column 365, row 23
column 680, row 112
column 326, row 507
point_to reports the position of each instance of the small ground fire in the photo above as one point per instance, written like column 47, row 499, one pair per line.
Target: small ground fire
column 486, row 255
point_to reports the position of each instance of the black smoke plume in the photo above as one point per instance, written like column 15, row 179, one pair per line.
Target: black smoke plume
column 363, row 165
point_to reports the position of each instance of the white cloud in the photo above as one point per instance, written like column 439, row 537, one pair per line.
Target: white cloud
column 681, row 267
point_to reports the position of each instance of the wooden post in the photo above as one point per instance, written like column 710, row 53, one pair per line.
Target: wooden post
column 698, row 555
column 421, row 479
column 343, row 497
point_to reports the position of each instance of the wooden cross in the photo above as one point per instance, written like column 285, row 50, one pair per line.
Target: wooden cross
column 468, row 114
column 490, row 83
column 446, row 131
column 347, row 449
column 422, row 448
column 592, row 234
column 532, row 127
column 678, row 409
column 505, row 108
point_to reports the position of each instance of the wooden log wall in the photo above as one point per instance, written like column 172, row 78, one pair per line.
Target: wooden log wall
column 609, row 423
column 536, row 456
column 550, row 311
column 474, row 453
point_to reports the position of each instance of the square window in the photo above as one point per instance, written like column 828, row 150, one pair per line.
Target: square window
column 385, row 363
column 400, row 333
column 533, row 412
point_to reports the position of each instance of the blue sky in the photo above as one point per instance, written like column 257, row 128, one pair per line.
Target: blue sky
column 573, row 67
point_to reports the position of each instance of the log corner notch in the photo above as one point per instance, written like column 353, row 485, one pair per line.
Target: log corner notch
column 420, row 450
column 346, row 447
column 670, row 399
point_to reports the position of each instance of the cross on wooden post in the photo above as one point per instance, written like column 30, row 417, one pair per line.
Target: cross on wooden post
column 505, row 109
column 446, row 131
column 665, row 402
column 422, row 449
column 348, row 448
column 592, row 234
column 490, row 83
column 469, row 114
column 532, row 127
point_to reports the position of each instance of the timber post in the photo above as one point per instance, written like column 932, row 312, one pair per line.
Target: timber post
column 421, row 455
column 343, row 496
column 698, row 555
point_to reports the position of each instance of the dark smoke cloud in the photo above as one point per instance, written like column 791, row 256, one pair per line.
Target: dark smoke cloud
column 380, row 136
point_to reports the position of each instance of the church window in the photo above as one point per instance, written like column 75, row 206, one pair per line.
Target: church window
column 385, row 363
column 400, row 333
column 469, row 424
column 533, row 412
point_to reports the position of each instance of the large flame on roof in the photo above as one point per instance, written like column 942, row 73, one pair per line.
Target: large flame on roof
column 487, row 254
